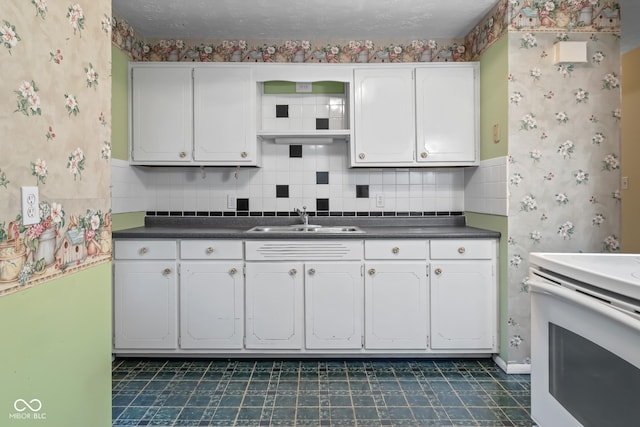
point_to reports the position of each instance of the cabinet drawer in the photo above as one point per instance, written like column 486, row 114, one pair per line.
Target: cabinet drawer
column 211, row 249
column 462, row 249
column 145, row 249
column 395, row 249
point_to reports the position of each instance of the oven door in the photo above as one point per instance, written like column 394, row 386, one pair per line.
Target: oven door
column 585, row 359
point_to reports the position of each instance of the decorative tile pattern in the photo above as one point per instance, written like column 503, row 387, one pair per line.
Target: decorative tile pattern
column 329, row 392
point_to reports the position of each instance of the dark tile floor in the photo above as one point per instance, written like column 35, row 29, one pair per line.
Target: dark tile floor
column 359, row 393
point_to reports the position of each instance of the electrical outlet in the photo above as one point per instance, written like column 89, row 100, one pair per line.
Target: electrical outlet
column 30, row 206
column 380, row 201
column 232, row 201
column 625, row 183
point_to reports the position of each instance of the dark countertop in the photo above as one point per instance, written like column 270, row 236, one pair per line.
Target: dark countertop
column 438, row 227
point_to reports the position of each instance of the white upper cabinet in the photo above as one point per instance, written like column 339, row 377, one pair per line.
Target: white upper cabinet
column 447, row 115
column 425, row 115
column 384, row 129
column 161, row 129
column 224, row 111
column 192, row 114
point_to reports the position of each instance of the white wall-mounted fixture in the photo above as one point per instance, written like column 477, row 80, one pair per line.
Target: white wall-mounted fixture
column 569, row 52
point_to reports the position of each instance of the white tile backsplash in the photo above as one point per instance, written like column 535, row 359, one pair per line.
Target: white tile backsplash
column 485, row 187
column 186, row 189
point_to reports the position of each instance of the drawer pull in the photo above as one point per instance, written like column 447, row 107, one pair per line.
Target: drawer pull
column 166, row 271
column 438, row 271
column 372, row 271
column 312, row 271
column 233, row 271
column 183, row 154
column 210, row 250
column 461, row 250
column 424, row 154
column 144, row 250
column 361, row 156
column 395, row 250
column 293, row 272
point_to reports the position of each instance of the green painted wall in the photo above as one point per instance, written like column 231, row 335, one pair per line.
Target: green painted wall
column 494, row 107
column 119, row 105
column 127, row 220
column 56, row 347
column 494, row 95
column 284, row 87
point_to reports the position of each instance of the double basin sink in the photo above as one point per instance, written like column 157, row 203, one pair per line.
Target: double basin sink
column 300, row 228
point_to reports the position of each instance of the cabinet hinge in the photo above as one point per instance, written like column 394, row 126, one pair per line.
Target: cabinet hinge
column 244, row 271
column 362, row 270
column 362, row 341
column 193, row 73
column 428, row 341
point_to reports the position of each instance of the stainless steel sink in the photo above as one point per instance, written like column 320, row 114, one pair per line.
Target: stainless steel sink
column 305, row 229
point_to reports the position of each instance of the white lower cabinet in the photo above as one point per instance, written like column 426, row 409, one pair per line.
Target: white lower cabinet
column 463, row 295
column 333, row 305
column 211, row 299
column 396, row 305
column 145, row 295
column 274, row 305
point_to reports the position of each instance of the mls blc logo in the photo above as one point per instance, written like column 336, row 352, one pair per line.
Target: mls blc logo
column 27, row 410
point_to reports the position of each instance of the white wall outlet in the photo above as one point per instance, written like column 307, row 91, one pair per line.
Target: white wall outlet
column 30, row 206
column 232, row 201
column 380, row 201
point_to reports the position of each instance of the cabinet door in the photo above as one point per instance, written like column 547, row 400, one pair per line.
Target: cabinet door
column 396, row 304
column 274, row 312
column 161, row 115
column 145, row 305
column 333, row 305
column 463, row 305
column 384, row 126
column 224, row 116
column 447, row 115
column 211, row 299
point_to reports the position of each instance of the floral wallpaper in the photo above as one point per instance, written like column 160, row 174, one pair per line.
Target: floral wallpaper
column 54, row 112
column 564, row 158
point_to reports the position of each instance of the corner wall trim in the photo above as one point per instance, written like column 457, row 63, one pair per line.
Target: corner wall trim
column 512, row 368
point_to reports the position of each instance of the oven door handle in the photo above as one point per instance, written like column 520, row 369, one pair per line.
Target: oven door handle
column 540, row 286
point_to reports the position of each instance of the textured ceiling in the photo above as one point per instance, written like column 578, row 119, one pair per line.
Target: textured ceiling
column 303, row 19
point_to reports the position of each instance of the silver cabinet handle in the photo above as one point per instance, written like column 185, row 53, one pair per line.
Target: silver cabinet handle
column 312, row 271
column 144, row 250
column 210, row 250
column 362, row 155
column 461, row 250
column 372, row 271
column 395, row 250
column 424, row 154
column 244, row 154
column 233, row 270
column 438, row 271
column 183, row 154
column 166, row 271
column 293, row 272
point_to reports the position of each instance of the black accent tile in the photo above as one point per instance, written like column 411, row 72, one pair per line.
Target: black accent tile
column 362, row 191
column 402, row 213
column 242, row 213
column 282, row 191
column 295, row 151
column 268, row 213
column 430, row 213
column 362, row 213
column 323, row 213
column 150, row 213
column 322, row 124
column 282, row 110
column 162, row 213
column 255, row 213
column 175, row 213
column 242, row 204
column 335, row 213
column 413, row 213
column 215, row 213
column 387, row 213
column 348, row 213
column 202, row 213
column 322, row 177
column 189, row 213
column 229, row 214
column 280, row 213
column 322, row 205
column 457, row 213
column 375, row 213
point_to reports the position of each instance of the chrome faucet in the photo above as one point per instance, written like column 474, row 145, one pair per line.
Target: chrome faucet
column 304, row 215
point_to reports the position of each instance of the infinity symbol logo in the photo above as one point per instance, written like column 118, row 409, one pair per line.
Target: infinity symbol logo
column 22, row 405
